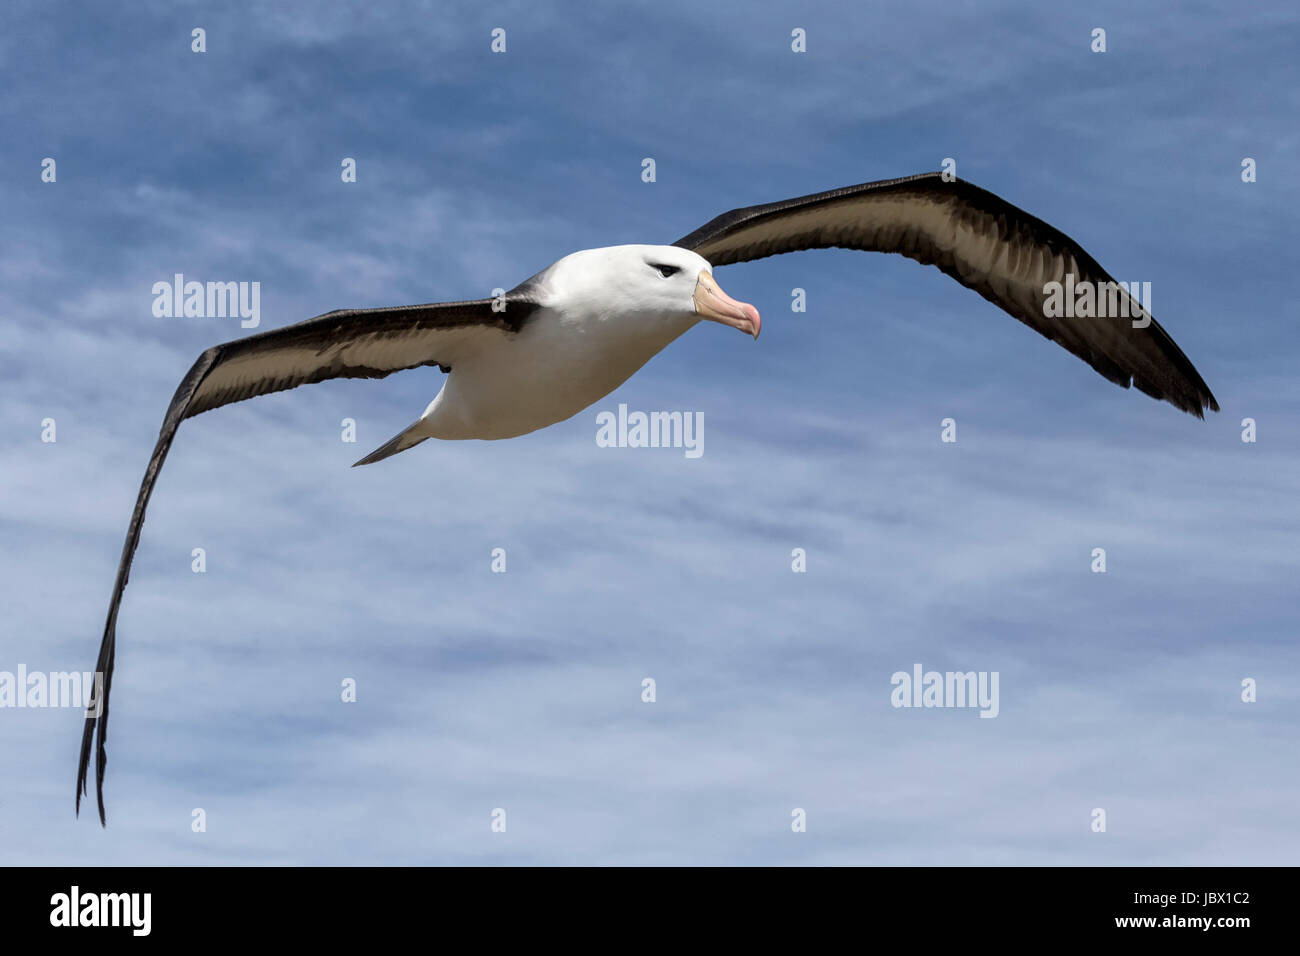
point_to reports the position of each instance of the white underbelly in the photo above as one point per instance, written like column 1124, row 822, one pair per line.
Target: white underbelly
column 550, row 371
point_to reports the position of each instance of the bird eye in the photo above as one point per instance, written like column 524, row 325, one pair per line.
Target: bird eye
column 666, row 271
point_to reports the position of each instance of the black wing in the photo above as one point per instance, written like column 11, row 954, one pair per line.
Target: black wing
column 351, row 343
column 986, row 244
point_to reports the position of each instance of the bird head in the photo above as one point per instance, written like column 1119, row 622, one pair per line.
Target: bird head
column 646, row 280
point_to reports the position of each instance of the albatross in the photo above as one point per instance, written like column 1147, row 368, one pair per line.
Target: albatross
column 570, row 335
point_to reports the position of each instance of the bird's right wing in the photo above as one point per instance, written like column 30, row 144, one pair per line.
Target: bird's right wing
column 350, row 343
column 985, row 243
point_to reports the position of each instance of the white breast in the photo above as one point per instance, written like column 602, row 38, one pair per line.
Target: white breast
column 559, row 363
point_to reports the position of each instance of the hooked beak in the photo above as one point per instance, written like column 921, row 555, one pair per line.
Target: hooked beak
column 714, row 304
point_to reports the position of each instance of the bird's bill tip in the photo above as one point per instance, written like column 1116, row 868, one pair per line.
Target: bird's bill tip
column 715, row 305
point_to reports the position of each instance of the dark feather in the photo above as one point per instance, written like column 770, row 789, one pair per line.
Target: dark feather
column 982, row 241
column 355, row 343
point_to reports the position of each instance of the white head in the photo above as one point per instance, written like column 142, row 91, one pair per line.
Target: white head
column 642, row 282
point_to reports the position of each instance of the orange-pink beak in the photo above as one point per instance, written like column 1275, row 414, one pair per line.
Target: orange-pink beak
column 714, row 304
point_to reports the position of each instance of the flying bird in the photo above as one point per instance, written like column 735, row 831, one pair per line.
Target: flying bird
column 574, row 332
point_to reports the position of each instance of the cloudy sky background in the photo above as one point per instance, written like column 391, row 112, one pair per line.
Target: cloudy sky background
column 523, row 690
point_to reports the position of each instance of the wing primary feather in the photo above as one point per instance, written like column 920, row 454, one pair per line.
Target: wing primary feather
column 96, row 725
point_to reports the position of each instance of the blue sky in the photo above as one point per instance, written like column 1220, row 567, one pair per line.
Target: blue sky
column 523, row 690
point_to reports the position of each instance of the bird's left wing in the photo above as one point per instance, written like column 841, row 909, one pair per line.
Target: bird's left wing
column 351, row 343
column 986, row 244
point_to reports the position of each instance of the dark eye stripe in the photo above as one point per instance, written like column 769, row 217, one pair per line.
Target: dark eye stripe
column 665, row 271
